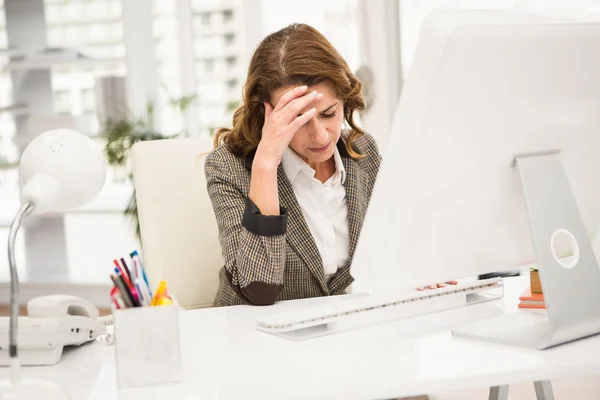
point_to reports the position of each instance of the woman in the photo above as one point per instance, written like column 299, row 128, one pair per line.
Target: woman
column 289, row 186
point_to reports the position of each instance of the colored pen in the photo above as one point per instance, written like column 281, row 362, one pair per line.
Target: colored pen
column 140, row 292
column 137, row 271
column 119, row 299
column 130, row 289
column 137, row 302
column 136, row 257
column 122, row 272
column 114, row 296
column 146, row 290
column 123, row 290
column 124, row 264
column 140, row 284
column 133, row 296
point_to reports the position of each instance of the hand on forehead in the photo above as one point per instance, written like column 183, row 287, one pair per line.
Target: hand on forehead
column 326, row 87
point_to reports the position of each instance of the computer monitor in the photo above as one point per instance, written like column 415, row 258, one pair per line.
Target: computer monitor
column 493, row 161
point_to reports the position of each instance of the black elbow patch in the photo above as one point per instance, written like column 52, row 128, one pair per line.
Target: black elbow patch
column 261, row 294
column 256, row 293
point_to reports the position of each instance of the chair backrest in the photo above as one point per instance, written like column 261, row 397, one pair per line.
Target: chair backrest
column 179, row 232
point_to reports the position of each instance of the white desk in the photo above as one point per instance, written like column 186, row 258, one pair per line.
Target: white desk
column 226, row 358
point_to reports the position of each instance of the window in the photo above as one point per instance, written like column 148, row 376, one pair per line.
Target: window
column 98, row 32
column 218, row 45
column 166, row 49
column 227, row 16
column 88, row 100
column 8, row 151
column 164, row 26
column 94, row 28
column 70, row 11
column 209, row 65
column 231, row 61
column 167, row 56
column 220, row 54
column 214, row 93
column 62, row 102
column 205, row 18
column 336, row 19
column 209, row 46
column 52, row 12
column 97, row 8
column 56, row 34
column 229, row 38
column 232, row 84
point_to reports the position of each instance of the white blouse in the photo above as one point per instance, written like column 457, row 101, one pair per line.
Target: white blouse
column 324, row 207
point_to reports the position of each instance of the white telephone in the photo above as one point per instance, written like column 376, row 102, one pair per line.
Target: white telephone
column 52, row 323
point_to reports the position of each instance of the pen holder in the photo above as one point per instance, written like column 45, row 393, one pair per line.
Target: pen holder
column 147, row 349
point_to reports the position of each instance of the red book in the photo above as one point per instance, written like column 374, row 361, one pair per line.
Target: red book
column 531, row 300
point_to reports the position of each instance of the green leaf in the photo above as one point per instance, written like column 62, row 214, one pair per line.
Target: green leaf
column 150, row 111
column 183, row 103
column 232, row 106
column 132, row 212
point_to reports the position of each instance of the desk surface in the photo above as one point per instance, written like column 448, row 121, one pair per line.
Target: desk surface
column 226, row 358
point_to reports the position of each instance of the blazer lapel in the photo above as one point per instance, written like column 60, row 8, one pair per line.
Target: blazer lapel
column 298, row 234
column 356, row 185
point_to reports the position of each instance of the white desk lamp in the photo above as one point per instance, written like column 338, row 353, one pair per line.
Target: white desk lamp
column 60, row 169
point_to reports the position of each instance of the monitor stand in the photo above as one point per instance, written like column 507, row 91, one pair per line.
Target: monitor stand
column 571, row 285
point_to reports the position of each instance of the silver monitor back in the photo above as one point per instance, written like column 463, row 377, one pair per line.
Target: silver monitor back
column 483, row 87
column 449, row 202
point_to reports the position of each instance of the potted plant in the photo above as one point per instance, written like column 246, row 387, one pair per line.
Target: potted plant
column 120, row 135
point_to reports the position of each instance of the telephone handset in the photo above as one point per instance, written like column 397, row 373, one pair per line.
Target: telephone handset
column 53, row 322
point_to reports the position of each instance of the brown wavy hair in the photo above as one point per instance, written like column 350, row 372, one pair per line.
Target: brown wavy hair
column 295, row 55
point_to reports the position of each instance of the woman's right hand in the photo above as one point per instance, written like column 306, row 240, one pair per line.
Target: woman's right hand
column 281, row 123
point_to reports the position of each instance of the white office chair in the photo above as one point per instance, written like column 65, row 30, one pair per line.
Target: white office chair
column 179, row 232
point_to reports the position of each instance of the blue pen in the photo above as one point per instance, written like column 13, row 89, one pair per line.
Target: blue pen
column 139, row 282
column 142, row 290
column 136, row 257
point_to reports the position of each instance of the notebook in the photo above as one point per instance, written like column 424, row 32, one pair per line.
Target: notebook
column 531, row 300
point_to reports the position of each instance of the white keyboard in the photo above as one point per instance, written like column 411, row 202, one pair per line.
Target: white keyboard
column 363, row 310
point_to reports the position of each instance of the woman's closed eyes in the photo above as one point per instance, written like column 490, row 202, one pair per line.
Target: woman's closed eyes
column 324, row 116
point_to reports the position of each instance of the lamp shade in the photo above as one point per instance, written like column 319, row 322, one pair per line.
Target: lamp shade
column 61, row 169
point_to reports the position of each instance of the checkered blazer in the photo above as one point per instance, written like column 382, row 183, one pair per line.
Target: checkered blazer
column 273, row 258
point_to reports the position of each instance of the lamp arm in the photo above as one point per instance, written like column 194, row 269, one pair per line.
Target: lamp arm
column 25, row 210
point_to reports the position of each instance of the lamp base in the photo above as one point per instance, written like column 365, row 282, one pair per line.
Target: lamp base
column 28, row 389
